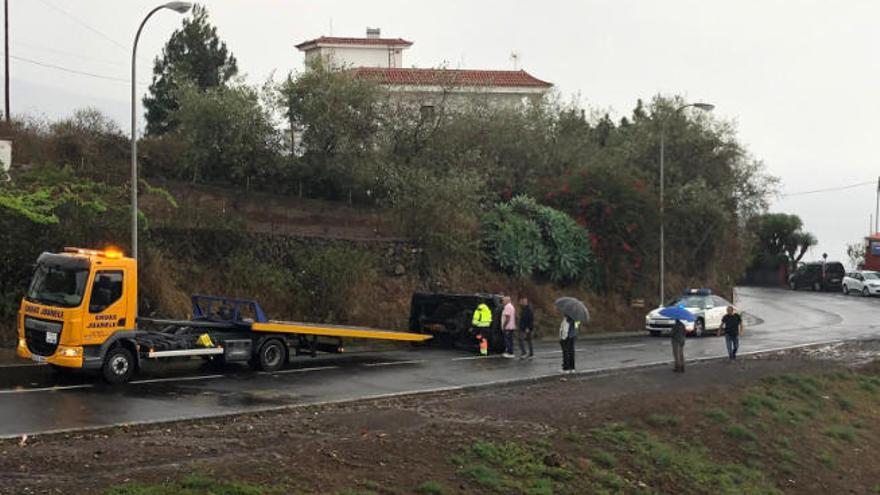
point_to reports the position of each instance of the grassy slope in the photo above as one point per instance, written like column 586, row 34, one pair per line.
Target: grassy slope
column 790, row 433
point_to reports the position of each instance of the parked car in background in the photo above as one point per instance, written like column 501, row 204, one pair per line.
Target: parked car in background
column 708, row 309
column 866, row 283
column 819, row 276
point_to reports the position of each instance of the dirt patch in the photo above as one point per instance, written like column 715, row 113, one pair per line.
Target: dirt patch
column 787, row 423
column 201, row 206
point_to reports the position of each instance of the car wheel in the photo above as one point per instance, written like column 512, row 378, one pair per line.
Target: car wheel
column 272, row 355
column 865, row 292
column 699, row 326
column 118, row 366
column 845, row 290
column 654, row 333
column 817, row 286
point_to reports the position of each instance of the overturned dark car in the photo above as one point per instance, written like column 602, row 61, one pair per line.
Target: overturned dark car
column 448, row 318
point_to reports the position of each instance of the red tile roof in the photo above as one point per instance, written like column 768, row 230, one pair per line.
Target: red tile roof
column 449, row 77
column 330, row 40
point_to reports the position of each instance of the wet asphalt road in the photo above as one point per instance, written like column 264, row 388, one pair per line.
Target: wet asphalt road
column 34, row 400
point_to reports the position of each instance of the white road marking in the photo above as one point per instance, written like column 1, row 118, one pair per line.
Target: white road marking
column 577, row 349
column 628, row 346
column 46, row 389
column 21, row 365
column 395, row 363
column 298, row 370
column 468, row 358
column 176, row 379
column 156, row 380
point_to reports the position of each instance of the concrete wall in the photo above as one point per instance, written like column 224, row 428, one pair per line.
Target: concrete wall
column 453, row 98
column 357, row 56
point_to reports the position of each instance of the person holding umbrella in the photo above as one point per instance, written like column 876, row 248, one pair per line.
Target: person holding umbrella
column 680, row 315
column 575, row 313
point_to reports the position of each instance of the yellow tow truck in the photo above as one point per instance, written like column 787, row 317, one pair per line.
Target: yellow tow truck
column 80, row 312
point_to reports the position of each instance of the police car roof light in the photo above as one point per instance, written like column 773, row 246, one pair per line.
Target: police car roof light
column 698, row 292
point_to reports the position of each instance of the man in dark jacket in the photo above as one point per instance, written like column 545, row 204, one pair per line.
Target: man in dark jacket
column 678, row 337
column 526, row 327
column 732, row 326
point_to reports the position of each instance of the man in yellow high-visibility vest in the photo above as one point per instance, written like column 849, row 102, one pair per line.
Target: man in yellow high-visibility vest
column 480, row 323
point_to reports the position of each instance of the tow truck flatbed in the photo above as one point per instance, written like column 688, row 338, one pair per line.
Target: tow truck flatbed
column 224, row 322
column 296, row 328
column 341, row 331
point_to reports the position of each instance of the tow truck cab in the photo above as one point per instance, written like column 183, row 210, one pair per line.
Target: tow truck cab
column 79, row 304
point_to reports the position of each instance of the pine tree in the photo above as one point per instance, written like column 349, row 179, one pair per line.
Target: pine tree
column 193, row 53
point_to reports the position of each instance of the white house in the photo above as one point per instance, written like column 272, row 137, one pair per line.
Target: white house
column 381, row 60
column 372, row 51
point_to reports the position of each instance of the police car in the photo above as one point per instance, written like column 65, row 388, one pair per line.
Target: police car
column 708, row 308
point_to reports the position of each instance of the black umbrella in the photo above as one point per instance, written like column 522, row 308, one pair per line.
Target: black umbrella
column 574, row 309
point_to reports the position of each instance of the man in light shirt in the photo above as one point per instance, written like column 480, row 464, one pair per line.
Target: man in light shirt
column 508, row 326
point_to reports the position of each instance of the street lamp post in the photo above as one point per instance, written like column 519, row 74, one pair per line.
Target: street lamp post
column 707, row 107
column 181, row 8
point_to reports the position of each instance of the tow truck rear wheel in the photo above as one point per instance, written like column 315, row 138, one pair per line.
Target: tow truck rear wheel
column 118, row 366
column 272, row 355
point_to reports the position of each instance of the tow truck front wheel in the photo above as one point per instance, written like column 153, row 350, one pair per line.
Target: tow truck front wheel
column 118, row 366
column 272, row 355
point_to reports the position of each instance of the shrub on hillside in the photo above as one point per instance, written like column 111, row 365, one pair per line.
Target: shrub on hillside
column 437, row 209
column 525, row 238
column 514, row 242
column 46, row 208
column 227, row 135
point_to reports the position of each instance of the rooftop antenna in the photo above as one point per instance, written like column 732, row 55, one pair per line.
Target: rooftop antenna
column 514, row 57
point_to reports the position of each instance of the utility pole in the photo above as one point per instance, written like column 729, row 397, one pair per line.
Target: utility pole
column 6, row 55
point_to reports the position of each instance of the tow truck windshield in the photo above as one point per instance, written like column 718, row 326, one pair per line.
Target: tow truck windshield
column 58, row 286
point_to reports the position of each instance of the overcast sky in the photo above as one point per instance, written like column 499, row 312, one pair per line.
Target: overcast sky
column 800, row 78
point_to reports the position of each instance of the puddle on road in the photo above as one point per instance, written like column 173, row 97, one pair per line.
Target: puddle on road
column 855, row 353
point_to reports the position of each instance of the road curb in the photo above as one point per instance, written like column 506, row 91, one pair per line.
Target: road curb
column 436, row 390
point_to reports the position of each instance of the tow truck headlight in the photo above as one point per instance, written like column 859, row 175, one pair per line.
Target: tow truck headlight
column 70, row 351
